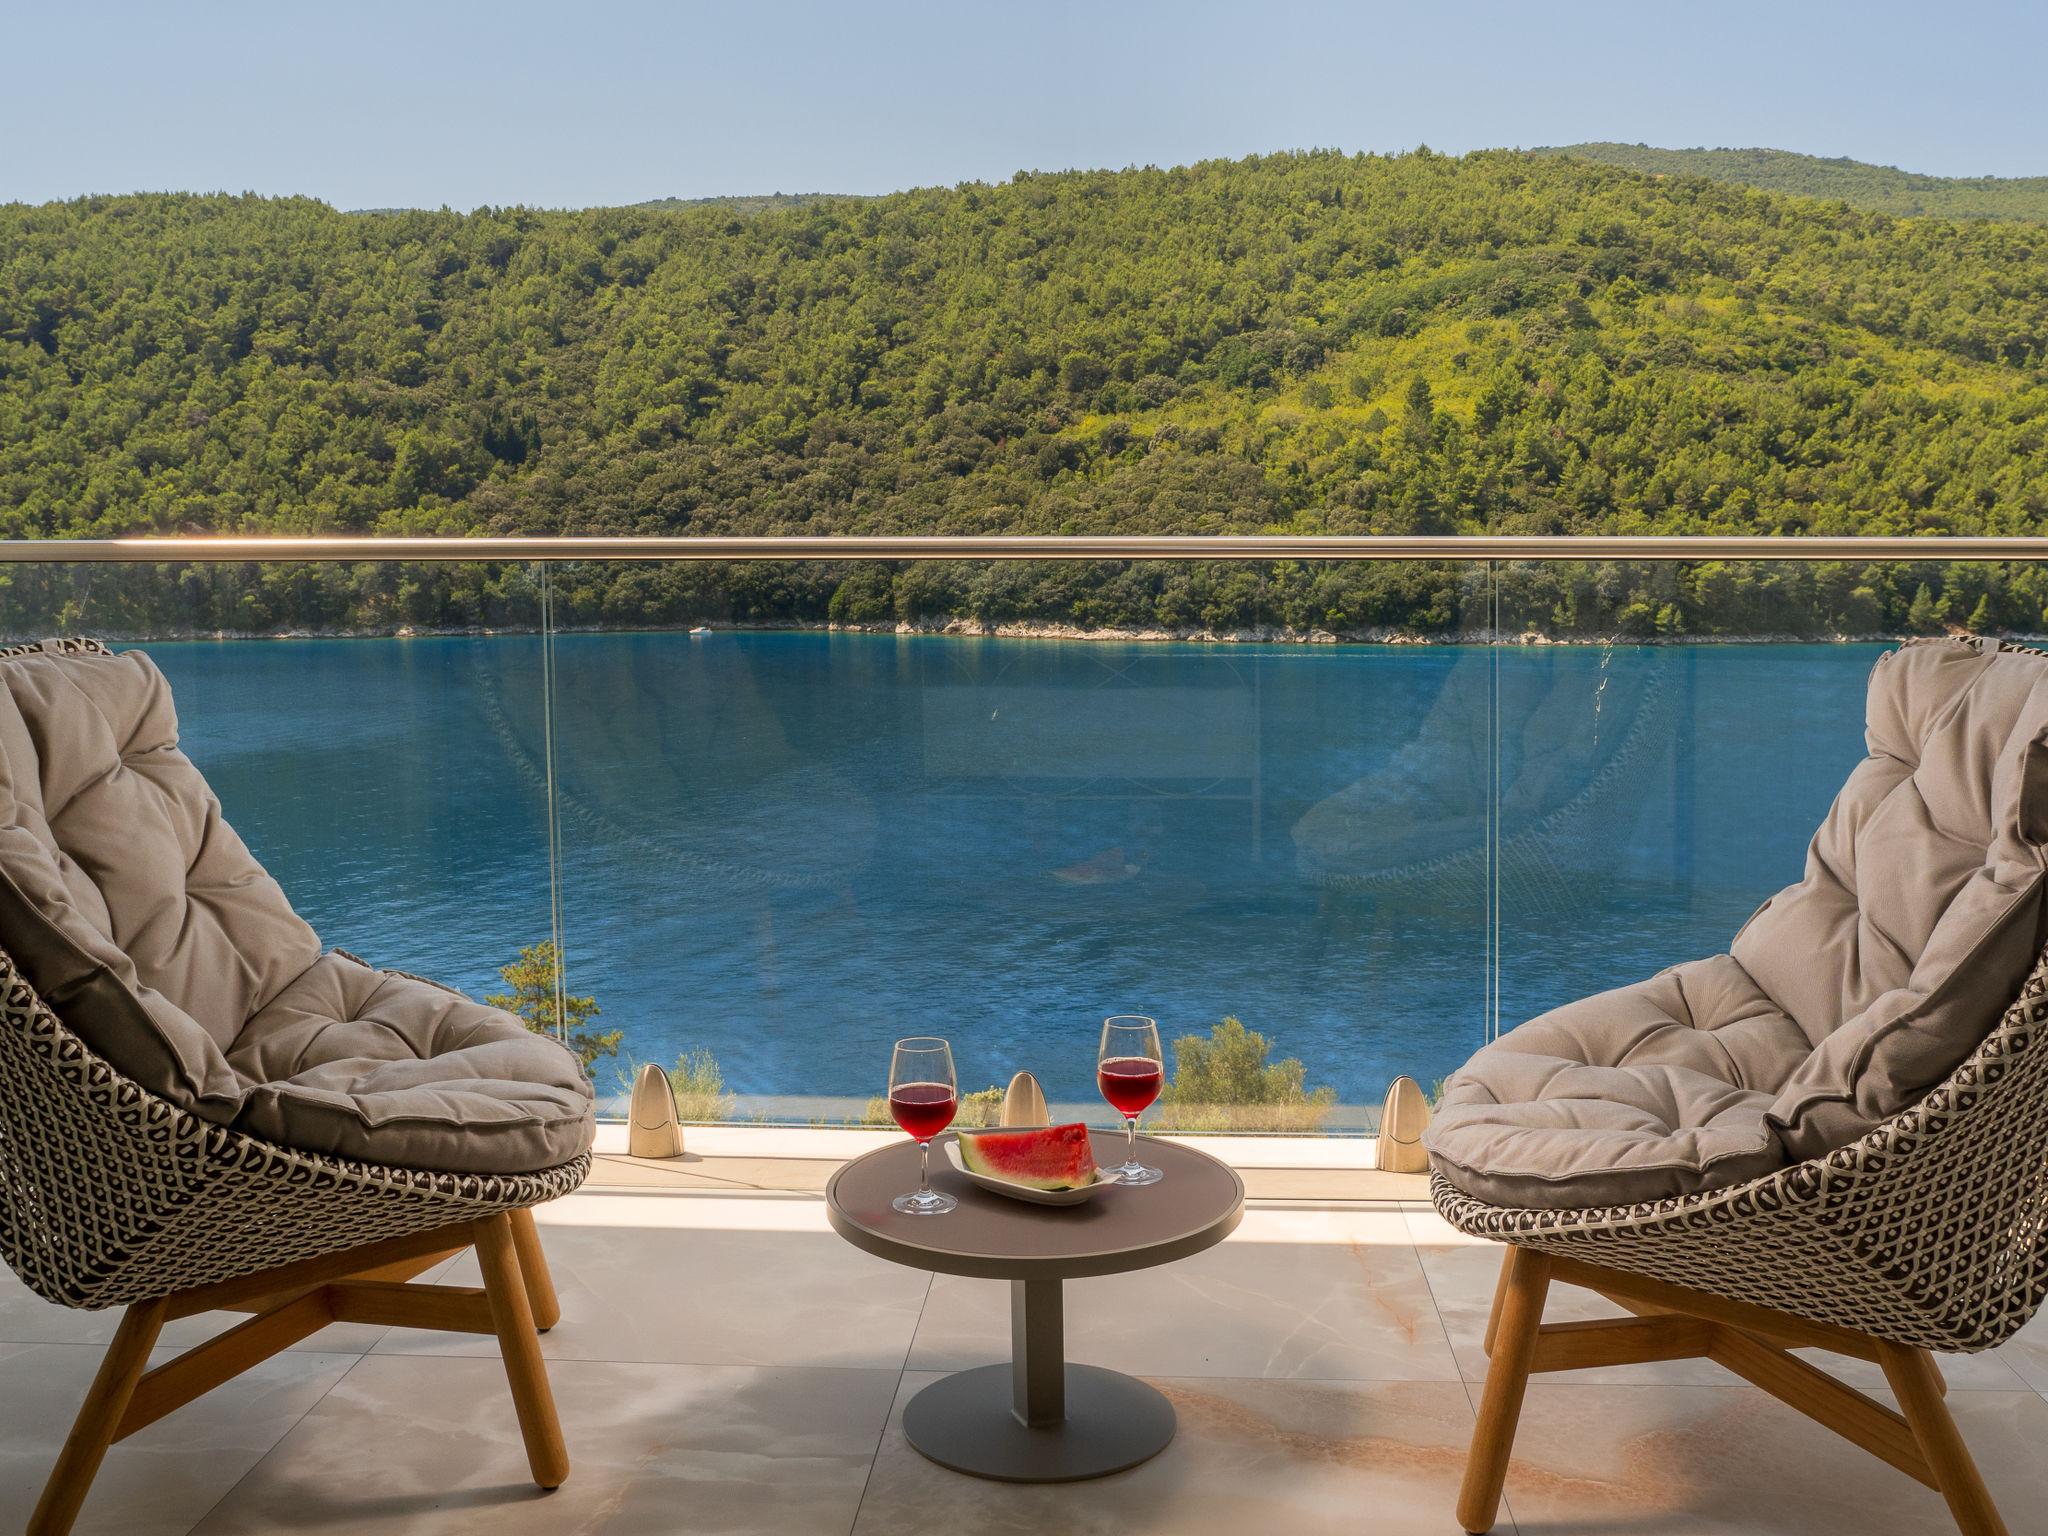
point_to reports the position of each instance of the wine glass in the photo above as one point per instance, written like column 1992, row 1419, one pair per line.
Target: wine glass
column 1130, row 1072
column 923, row 1094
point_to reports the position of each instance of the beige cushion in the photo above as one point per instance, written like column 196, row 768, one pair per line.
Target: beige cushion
column 375, row 1065
column 1844, row 999
column 132, row 906
column 1654, row 1089
column 94, row 990
column 109, row 832
column 1921, row 909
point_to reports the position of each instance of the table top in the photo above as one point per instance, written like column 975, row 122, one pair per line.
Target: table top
column 1196, row 1205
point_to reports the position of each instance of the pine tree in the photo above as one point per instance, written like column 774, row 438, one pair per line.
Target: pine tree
column 1420, row 420
column 1920, row 618
column 532, row 998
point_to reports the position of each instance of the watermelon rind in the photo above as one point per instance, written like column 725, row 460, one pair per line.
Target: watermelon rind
column 1007, row 1155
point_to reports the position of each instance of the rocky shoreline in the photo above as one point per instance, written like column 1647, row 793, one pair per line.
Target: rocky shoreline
column 1057, row 630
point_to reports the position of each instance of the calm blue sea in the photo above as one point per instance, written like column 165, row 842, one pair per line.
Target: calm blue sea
column 792, row 848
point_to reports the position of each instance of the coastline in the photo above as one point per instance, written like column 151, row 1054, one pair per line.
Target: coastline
column 1056, row 630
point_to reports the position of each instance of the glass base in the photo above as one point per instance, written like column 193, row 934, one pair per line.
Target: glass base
column 1135, row 1172
column 926, row 1202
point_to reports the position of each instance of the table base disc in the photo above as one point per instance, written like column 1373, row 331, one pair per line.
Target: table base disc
column 964, row 1422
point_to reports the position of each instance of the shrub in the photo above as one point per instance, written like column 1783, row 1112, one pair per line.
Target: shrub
column 977, row 1110
column 699, row 1088
column 1223, row 1082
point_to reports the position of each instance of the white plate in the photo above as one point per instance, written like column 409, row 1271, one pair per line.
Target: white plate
column 1103, row 1178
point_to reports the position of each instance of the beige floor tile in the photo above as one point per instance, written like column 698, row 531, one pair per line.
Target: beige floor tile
column 1729, row 1461
column 163, row 1479
column 1250, row 1457
column 1964, row 1373
column 769, row 1284
column 1305, row 1294
column 2026, row 1353
column 25, row 1318
column 427, row 1445
column 691, row 1172
column 1317, row 1386
column 1462, row 1272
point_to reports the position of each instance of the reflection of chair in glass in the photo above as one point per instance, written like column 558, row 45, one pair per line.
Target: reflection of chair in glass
column 687, row 776
column 687, row 764
column 1574, row 752
column 200, row 1110
column 1836, row 1135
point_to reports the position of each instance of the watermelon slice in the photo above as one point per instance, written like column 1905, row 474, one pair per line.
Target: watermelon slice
column 1048, row 1157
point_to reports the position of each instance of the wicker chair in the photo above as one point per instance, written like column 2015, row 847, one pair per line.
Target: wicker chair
column 111, row 1195
column 1927, row 1234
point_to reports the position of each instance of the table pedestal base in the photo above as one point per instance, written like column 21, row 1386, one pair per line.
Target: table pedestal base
column 1038, row 1419
column 966, row 1422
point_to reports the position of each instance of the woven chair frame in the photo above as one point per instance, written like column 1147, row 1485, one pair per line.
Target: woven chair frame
column 111, row 1195
column 1931, row 1231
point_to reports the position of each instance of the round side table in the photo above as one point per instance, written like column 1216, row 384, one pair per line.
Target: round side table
column 1038, row 1419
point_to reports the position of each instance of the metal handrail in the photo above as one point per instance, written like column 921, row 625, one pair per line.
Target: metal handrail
column 1531, row 547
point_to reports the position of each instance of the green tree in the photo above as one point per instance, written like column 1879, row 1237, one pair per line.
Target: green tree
column 1853, row 181
column 1559, row 346
column 532, row 980
column 1224, row 1081
column 1921, row 618
column 1420, row 422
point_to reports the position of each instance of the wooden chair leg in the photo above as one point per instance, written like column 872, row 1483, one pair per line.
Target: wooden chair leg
column 533, row 1268
column 1524, row 1285
column 99, row 1420
column 1917, row 1384
column 497, row 1252
column 1500, row 1294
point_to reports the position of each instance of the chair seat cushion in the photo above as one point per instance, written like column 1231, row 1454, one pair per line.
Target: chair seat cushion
column 1656, row 1089
column 387, row 1068
column 1843, row 1001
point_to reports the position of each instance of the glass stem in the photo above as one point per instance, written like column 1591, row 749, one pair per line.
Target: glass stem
column 1130, row 1140
column 924, row 1167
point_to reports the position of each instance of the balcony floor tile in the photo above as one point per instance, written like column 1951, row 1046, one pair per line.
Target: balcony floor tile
column 1329, row 1295
column 25, row 1318
column 1306, row 1458
column 1730, row 1461
column 422, row 1445
column 1462, row 1273
column 766, row 1282
column 169, row 1475
column 725, row 1363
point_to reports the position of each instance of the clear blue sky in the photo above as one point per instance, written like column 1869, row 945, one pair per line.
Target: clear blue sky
column 373, row 104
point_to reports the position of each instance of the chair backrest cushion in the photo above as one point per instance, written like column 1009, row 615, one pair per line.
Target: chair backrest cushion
column 1922, row 905
column 121, row 887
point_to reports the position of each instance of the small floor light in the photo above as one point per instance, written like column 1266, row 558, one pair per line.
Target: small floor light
column 1403, row 1119
column 654, row 1129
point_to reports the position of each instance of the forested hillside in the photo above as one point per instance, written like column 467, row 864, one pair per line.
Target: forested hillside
column 763, row 203
column 1313, row 343
column 1884, row 188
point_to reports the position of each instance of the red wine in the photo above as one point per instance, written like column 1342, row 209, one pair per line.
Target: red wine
column 1129, row 1083
column 925, row 1109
